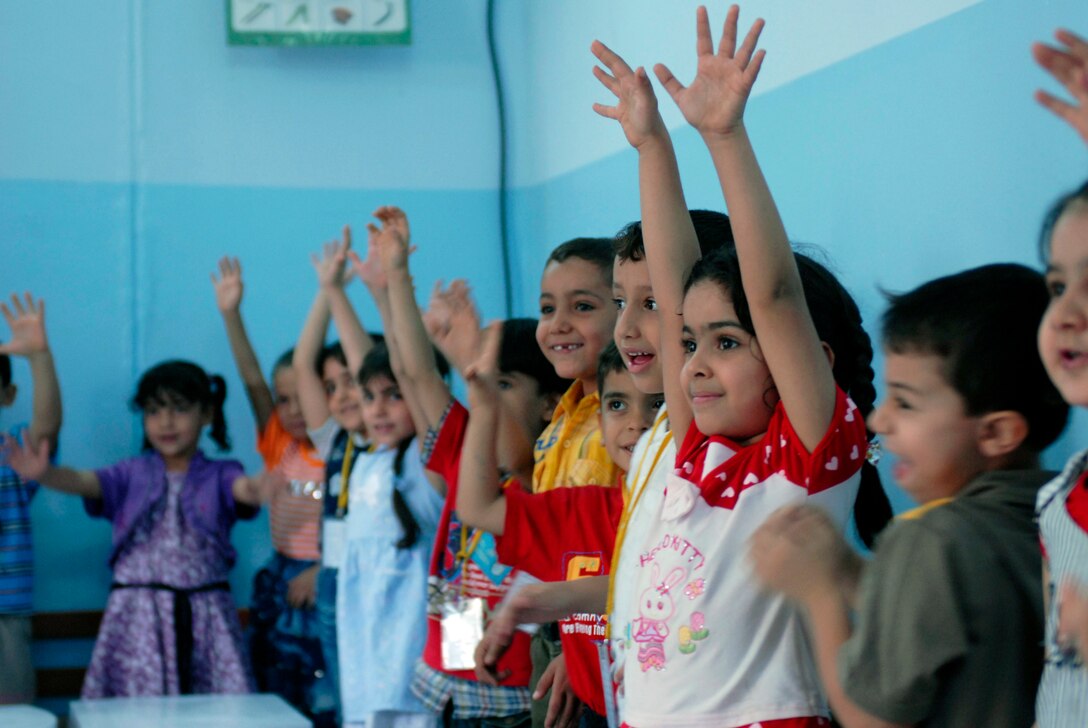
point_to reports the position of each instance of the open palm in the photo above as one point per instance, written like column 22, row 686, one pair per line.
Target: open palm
column 714, row 102
column 27, row 322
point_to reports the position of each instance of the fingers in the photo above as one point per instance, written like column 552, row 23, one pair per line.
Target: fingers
column 17, row 305
column 607, row 81
column 668, row 81
column 1063, row 110
column 744, row 55
column 704, row 46
column 347, row 238
column 612, row 61
column 1077, row 46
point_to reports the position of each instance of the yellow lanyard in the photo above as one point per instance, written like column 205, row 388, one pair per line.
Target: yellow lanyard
column 631, row 499
column 467, row 549
column 345, row 471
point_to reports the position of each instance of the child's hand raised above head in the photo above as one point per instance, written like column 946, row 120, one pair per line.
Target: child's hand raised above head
column 391, row 238
column 331, row 265
column 453, row 323
column 636, row 104
column 1068, row 64
column 26, row 319
column 714, row 102
column 482, row 374
column 228, row 286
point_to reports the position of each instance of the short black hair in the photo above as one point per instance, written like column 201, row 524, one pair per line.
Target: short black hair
column 1078, row 196
column 519, row 352
column 597, row 251
column 285, row 361
column 5, row 370
column 713, row 230
column 377, row 363
column 609, row 362
column 983, row 322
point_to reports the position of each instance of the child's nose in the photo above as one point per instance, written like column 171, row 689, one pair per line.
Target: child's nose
column 876, row 420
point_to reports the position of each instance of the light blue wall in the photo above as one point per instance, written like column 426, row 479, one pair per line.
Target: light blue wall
column 136, row 147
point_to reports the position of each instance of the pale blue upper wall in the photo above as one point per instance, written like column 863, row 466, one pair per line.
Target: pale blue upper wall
column 136, row 147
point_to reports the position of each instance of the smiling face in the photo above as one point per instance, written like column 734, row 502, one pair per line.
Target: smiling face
column 576, row 320
column 638, row 325
column 1063, row 333
column 625, row 414
column 923, row 423
column 173, row 425
column 385, row 413
column 726, row 381
column 345, row 399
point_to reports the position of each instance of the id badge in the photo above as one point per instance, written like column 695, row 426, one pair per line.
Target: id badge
column 333, row 536
column 462, row 630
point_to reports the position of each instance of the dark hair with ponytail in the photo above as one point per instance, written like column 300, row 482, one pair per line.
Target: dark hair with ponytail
column 182, row 382
column 838, row 324
column 376, row 363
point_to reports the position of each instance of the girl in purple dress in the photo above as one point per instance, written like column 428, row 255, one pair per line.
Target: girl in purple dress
column 170, row 626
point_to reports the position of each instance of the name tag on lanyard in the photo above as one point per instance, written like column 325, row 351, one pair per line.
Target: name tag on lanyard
column 462, row 630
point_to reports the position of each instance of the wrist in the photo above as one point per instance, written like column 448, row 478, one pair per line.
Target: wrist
column 721, row 137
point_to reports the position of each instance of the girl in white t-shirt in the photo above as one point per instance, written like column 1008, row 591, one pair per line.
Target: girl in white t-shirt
column 764, row 399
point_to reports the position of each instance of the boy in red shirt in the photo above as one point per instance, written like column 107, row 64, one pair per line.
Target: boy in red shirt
column 557, row 535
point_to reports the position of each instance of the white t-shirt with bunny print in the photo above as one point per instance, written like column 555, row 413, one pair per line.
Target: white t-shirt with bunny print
column 710, row 647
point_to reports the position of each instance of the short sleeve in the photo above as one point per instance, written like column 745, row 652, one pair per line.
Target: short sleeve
column 114, row 481
column 909, row 627
column 272, row 441
column 324, row 437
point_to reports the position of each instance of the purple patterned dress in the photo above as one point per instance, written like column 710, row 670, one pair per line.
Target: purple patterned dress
column 136, row 651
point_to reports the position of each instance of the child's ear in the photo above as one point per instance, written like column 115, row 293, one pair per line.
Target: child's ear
column 1001, row 433
column 829, row 353
column 7, row 395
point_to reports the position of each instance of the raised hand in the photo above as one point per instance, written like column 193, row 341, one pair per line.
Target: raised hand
column 228, row 286
column 392, row 237
column 331, row 265
column 370, row 271
column 1068, row 64
column 29, row 460
column 714, row 102
column 453, row 323
column 636, row 104
column 26, row 319
column 486, row 367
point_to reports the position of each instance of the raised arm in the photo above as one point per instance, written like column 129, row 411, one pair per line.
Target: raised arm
column 668, row 234
column 480, row 500
column 714, row 104
column 1068, row 64
column 26, row 319
column 416, row 354
column 228, row 298
column 332, row 276
column 31, row 462
column 312, row 398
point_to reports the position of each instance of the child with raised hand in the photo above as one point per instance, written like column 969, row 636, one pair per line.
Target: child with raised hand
column 393, row 510
column 1062, row 505
column 331, row 404
column 1068, row 64
column 772, row 422
column 283, row 632
column 464, row 571
column 170, row 625
column 26, row 319
column 565, row 534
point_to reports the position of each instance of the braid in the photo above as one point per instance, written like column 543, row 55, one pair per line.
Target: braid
column 408, row 521
column 217, row 386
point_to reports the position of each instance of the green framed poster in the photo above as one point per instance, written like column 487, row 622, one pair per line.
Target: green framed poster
column 318, row 22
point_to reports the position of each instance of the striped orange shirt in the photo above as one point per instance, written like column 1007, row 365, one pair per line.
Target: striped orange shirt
column 295, row 511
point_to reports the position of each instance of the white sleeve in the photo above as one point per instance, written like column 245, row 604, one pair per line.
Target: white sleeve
column 323, row 437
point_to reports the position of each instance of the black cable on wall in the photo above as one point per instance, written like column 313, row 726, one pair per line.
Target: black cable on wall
column 504, row 238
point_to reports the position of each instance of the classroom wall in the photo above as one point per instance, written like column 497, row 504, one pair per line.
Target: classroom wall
column 136, row 147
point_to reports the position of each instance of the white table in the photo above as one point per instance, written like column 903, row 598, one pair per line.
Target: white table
column 26, row 716
column 178, row 711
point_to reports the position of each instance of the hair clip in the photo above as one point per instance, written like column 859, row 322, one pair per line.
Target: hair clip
column 874, row 452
